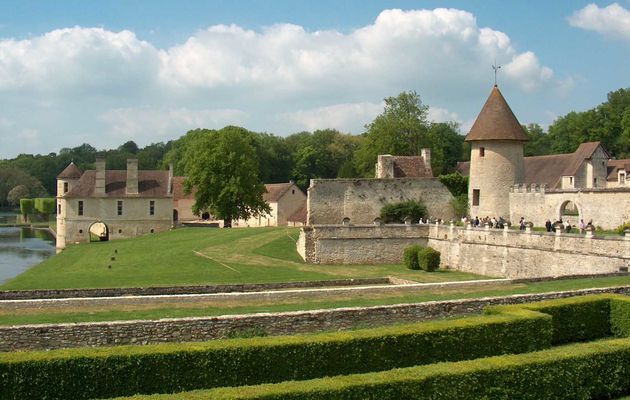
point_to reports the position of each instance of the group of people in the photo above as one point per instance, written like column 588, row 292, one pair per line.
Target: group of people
column 493, row 222
column 565, row 226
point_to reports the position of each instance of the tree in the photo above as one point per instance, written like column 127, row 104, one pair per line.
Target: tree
column 222, row 171
column 538, row 143
column 17, row 193
column 446, row 146
column 402, row 129
column 26, row 208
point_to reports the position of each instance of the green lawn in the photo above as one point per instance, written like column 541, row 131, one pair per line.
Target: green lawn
column 194, row 256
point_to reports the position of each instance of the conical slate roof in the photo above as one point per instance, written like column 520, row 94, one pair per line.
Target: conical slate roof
column 71, row 172
column 496, row 121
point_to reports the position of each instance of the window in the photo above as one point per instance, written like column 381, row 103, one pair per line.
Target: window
column 571, row 180
column 151, row 207
column 65, row 187
column 59, row 208
column 594, row 182
column 475, row 199
column 80, row 207
column 120, row 207
column 293, row 191
column 482, row 152
column 622, row 178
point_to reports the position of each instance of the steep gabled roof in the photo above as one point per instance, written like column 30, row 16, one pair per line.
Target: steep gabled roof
column 276, row 190
column 70, row 172
column 411, row 167
column 150, row 184
column 496, row 121
column 178, row 189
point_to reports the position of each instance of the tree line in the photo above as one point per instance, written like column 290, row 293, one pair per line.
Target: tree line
column 401, row 129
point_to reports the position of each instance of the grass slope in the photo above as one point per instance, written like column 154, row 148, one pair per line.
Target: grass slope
column 193, row 256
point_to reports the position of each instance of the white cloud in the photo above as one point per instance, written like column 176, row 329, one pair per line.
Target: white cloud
column 105, row 87
column 613, row 20
column 437, row 114
column 153, row 125
column 344, row 117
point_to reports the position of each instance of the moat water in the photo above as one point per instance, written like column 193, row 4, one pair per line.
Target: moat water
column 21, row 248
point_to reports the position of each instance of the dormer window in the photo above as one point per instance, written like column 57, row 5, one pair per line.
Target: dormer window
column 622, row 177
column 482, row 152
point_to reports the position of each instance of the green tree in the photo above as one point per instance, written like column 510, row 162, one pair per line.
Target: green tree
column 446, row 146
column 402, row 129
column 222, row 168
column 17, row 193
column 538, row 143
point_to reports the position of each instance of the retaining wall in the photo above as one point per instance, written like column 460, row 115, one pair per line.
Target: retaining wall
column 53, row 336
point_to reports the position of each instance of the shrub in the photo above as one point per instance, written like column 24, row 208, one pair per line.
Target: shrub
column 579, row 371
column 460, row 205
column 397, row 212
column 621, row 229
column 45, row 205
column 456, row 183
column 411, row 256
column 26, row 207
column 169, row 368
column 429, row 259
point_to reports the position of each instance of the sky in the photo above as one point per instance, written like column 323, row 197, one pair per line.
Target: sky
column 107, row 72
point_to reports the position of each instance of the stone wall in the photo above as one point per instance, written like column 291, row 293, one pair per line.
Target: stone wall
column 607, row 208
column 54, row 336
column 359, row 244
column 492, row 252
column 361, row 200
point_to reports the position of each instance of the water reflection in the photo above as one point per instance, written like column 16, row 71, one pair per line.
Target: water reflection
column 21, row 248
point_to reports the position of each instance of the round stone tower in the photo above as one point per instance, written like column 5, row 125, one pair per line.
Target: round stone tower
column 496, row 158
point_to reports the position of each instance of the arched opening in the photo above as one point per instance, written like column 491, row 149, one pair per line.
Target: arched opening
column 569, row 211
column 205, row 216
column 175, row 217
column 99, row 232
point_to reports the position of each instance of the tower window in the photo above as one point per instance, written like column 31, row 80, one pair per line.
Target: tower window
column 59, row 208
column 65, row 187
column 120, row 207
column 482, row 152
column 152, row 207
column 475, row 199
column 80, row 207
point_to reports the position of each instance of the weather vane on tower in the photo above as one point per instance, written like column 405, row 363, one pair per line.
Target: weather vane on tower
column 496, row 69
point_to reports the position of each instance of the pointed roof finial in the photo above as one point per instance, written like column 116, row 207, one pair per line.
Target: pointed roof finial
column 496, row 69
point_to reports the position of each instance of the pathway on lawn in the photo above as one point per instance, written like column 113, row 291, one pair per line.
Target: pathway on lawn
column 234, row 299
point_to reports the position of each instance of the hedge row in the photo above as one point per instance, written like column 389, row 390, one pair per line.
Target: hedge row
column 595, row 370
column 126, row 370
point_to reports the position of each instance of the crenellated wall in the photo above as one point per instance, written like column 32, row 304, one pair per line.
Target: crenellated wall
column 607, row 208
column 492, row 252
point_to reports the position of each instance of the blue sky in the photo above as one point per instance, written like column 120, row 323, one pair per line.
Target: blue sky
column 148, row 71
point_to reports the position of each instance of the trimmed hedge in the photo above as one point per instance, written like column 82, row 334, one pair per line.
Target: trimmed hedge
column 578, row 319
column 429, row 259
column 45, row 205
column 580, row 371
column 410, row 256
column 169, row 368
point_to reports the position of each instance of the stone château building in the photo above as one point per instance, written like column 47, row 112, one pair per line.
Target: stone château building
column 584, row 185
column 105, row 204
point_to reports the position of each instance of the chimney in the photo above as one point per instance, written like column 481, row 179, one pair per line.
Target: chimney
column 426, row 155
column 170, row 179
column 132, row 176
column 99, row 183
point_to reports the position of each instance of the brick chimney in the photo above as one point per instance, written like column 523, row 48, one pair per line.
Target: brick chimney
column 170, row 179
column 132, row 176
column 99, row 183
column 426, row 155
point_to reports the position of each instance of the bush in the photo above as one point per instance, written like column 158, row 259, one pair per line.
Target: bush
column 26, row 207
column 456, row 183
column 460, row 205
column 579, row 371
column 429, row 259
column 45, row 205
column 411, row 256
column 169, row 368
column 397, row 212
